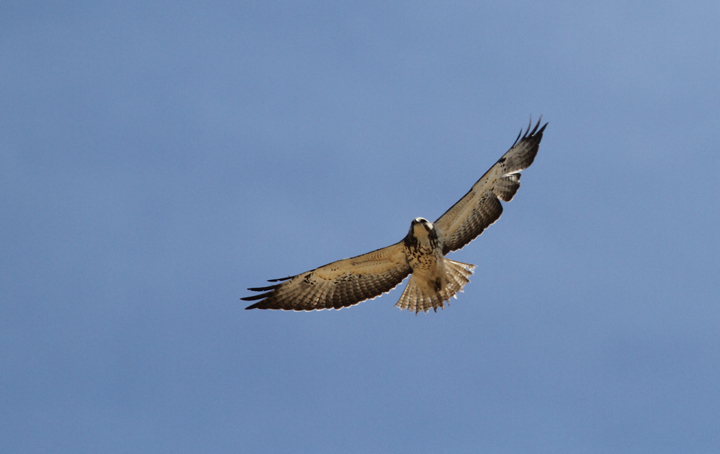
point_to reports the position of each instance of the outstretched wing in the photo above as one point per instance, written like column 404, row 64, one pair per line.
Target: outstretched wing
column 481, row 206
column 337, row 284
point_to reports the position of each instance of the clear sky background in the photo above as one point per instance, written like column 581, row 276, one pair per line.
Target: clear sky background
column 157, row 158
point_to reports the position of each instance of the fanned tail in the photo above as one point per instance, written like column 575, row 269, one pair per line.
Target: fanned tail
column 418, row 297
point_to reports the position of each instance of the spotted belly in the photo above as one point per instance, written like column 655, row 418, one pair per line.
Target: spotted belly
column 428, row 268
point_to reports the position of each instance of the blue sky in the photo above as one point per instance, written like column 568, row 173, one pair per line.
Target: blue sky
column 157, row 158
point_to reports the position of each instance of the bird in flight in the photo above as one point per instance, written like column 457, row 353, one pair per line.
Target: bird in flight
column 434, row 279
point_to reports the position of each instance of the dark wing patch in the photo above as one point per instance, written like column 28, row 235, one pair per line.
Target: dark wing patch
column 337, row 284
column 506, row 187
column 481, row 206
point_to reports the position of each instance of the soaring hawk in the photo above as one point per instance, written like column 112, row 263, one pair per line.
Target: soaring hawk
column 434, row 279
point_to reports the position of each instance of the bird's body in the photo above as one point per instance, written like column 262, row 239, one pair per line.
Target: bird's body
column 434, row 278
column 422, row 250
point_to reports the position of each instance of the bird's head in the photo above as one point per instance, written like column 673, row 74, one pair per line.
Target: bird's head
column 421, row 228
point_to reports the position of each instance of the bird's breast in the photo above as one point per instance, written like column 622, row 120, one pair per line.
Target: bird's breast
column 423, row 254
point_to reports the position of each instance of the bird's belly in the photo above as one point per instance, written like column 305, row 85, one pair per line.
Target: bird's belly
column 429, row 270
column 425, row 263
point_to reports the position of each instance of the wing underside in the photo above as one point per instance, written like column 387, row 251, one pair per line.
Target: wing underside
column 338, row 284
column 481, row 206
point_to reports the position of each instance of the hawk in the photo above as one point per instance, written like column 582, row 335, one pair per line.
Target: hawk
column 434, row 279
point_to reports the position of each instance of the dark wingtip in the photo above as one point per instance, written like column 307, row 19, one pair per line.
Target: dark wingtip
column 266, row 292
column 537, row 131
column 542, row 129
column 280, row 279
column 523, row 135
column 263, row 289
column 256, row 297
column 253, row 306
column 529, row 133
column 517, row 138
column 537, row 125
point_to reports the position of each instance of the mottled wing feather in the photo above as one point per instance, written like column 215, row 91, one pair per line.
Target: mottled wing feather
column 481, row 206
column 337, row 284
